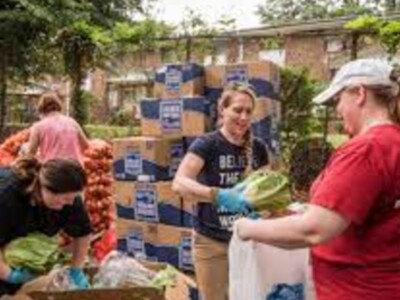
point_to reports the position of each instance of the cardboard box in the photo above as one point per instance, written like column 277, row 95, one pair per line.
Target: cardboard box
column 157, row 157
column 179, row 80
column 161, row 117
column 174, row 117
column 184, row 288
column 157, row 242
column 150, row 202
column 262, row 75
column 196, row 116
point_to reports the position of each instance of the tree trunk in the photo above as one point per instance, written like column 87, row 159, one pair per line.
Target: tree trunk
column 3, row 89
column 354, row 46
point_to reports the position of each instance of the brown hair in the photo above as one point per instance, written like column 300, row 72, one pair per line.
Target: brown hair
column 48, row 103
column 57, row 175
column 388, row 96
column 224, row 101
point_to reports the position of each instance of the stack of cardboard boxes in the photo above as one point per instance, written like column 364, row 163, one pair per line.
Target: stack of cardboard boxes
column 154, row 222
column 151, row 220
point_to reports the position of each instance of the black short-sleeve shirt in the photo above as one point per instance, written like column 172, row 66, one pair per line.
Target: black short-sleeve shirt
column 224, row 164
column 19, row 217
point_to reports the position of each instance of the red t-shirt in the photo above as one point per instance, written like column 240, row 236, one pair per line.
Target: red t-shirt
column 361, row 183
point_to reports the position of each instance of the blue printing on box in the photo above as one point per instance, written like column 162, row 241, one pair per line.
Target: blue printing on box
column 170, row 115
column 198, row 104
column 147, row 168
column 263, row 88
column 177, row 151
column 189, row 72
column 188, row 219
column 167, row 214
column 193, row 293
column 179, row 256
column 267, row 132
column 146, row 205
column 150, row 109
column 142, row 250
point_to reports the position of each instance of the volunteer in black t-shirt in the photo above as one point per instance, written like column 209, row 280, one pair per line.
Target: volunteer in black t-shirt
column 214, row 163
column 43, row 198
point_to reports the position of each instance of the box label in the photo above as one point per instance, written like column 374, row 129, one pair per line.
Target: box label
column 133, row 163
column 170, row 115
column 236, row 74
column 135, row 245
column 185, row 253
column 146, row 205
column 173, row 79
column 176, row 157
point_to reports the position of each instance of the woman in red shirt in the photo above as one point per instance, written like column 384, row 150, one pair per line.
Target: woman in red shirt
column 353, row 221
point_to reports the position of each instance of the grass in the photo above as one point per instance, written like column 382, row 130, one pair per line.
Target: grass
column 108, row 133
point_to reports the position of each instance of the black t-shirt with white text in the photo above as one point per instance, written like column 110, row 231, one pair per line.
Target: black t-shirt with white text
column 224, row 165
column 19, row 217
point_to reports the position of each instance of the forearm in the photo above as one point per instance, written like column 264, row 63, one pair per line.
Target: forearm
column 80, row 249
column 186, row 186
column 287, row 232
column 4, row 269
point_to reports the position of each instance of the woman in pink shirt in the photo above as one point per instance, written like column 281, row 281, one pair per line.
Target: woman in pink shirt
column 56, row 135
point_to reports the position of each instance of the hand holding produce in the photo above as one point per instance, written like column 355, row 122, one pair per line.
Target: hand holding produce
column 265, row 190
column 19, row 275
column 232, row 201
column 78, row 278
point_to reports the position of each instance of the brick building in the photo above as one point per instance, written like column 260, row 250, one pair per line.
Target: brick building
column 322, row 46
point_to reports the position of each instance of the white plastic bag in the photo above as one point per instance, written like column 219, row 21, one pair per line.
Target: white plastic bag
column 262, row 272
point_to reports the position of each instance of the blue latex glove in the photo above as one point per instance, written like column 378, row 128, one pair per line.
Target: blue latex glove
column 19, row 275
column 233, row 201
column 78, row 278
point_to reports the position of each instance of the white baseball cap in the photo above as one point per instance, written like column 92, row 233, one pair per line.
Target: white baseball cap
column 367, row 71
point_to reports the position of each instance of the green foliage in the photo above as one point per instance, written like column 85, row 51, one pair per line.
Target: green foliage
column 364, row 23
column 272, row 43
column 80, row 105
column 283, row 11
column 386, row 32
column 389, row 34
column 298, row 122
column 123, row 117
column 111, row 132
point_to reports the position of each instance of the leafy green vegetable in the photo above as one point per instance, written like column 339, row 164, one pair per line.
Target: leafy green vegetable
column 36, row 252
column 165, row 278
column 266, row 190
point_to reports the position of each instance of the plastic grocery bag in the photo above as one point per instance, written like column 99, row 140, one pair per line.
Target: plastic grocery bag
column 262, row 272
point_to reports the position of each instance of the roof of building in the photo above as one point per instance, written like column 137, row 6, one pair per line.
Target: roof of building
column 314, row 26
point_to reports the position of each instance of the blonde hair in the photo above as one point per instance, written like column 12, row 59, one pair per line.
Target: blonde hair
column 225, row 101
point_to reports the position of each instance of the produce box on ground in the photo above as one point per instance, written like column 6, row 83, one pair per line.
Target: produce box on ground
column 157, row 157
column 151, row 202
column 130, row 283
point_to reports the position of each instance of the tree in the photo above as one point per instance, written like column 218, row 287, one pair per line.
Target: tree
column 23, row 29
column 387, row 33
column 283, row 11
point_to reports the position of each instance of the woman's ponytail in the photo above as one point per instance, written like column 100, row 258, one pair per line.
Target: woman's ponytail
column 27, row 170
